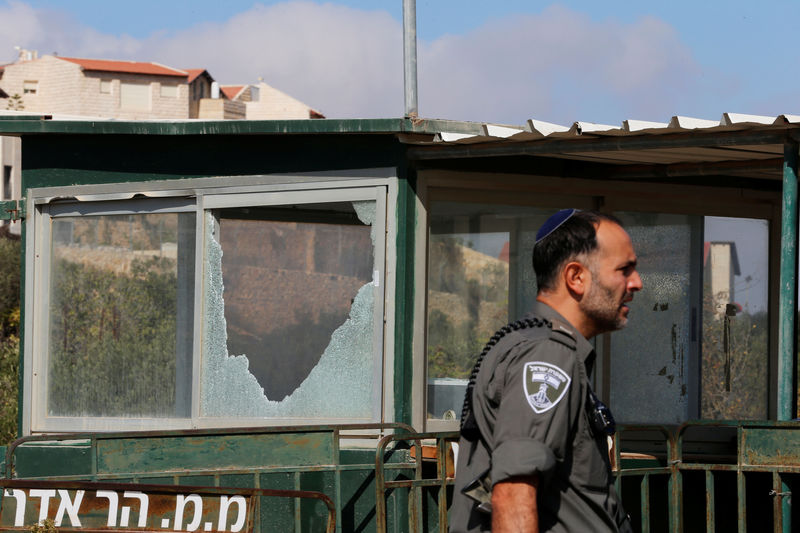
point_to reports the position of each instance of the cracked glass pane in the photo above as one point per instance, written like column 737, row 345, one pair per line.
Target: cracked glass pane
column 290, row 312
column 650, row 358
column 120, row 315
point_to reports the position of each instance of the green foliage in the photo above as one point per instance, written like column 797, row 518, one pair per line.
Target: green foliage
column 451, row 350
column 113, row 340
column 467, row 304
column 734, row 377
column 9, row 336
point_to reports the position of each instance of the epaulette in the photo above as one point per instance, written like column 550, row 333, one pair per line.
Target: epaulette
column 563, row 333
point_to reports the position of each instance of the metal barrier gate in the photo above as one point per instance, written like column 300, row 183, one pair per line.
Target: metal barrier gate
column 702, row 471
column 230, row 461
column 671, row 479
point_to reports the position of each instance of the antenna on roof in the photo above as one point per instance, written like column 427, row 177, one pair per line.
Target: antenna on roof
column 410, row 57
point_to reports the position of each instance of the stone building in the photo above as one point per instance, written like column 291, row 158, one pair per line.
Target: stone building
column 128, row 90
column 80, row 88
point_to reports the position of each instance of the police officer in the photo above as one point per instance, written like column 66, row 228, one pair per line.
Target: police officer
column 533, row 455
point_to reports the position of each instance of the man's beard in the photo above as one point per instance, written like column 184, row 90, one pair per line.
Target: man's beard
column 603, row 307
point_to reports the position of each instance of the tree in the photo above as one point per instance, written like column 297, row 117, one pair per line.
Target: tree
column 735, row 362
column 9, row 335
column 112, row 340
column 15, row 103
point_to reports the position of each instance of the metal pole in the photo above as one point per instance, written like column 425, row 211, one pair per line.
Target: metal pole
column 787, row 304
column 410, row 57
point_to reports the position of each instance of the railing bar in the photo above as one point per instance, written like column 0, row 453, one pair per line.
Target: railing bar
column 675, row 483
column 741, row 499
column 337, row 484
column 259, row 502
column 442, row 447
column 414, row 494
column 676, row 502
column 410, row 483
column 380, row 486
column 777, row 503
column 337, row 480
column 710, row 504
column 95, row 452
column 641, row 471
column 644, row 503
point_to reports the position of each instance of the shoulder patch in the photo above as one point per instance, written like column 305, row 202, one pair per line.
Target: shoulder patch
column 545, row 385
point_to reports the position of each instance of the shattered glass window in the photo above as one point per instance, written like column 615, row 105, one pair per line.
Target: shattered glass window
column 289, row 322
column 120, row 315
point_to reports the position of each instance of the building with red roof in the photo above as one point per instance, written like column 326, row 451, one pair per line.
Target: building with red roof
column 264, row 102
column 138, row 90
column 127, row 90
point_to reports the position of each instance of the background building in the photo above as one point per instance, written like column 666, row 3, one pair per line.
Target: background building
column 80, row 88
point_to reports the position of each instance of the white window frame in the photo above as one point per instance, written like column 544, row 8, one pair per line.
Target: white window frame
column 480, row 187
column 30, row 87
column 207, row 194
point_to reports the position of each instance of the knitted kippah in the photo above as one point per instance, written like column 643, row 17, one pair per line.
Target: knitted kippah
column 554, row 222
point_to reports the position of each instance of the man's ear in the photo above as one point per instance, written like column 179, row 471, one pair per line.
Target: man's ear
column 576, row 277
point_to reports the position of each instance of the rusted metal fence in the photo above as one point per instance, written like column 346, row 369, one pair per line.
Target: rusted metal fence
column 709, row 476
column 248, row 458
column 701, row 476
column 441, row 454
column 105, row 507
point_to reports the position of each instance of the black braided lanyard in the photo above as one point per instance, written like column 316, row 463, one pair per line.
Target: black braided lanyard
column 469, row 427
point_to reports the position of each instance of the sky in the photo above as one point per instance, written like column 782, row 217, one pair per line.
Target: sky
column 503, row 61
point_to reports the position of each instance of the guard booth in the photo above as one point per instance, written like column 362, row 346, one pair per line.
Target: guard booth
column 236, row 326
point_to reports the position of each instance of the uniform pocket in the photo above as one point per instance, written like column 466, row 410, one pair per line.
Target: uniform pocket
column 591, row 469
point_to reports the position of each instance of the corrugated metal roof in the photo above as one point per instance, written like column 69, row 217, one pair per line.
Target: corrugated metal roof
column 537, row 129
column 739, row 144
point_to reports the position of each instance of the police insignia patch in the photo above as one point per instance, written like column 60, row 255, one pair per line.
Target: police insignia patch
column 545, row 385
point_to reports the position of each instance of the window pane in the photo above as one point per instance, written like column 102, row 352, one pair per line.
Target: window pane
column 169, row 91
column 476, row 254
column 120, row 315
column 650, row 375
column 134, row 96
column 735, row 326
column 290, row 312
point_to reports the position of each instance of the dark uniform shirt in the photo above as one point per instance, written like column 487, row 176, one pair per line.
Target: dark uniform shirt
column 532, row 406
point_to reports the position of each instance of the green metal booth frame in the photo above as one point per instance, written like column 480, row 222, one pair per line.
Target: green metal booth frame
column 426, row 218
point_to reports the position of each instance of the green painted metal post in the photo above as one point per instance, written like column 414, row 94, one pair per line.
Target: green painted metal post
column 711, row 516
column 644, row 501
column 788, row 293
column 404, row 306
column 787, row 305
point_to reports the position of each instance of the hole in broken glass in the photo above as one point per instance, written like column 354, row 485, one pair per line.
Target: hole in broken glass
column 290, row 312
